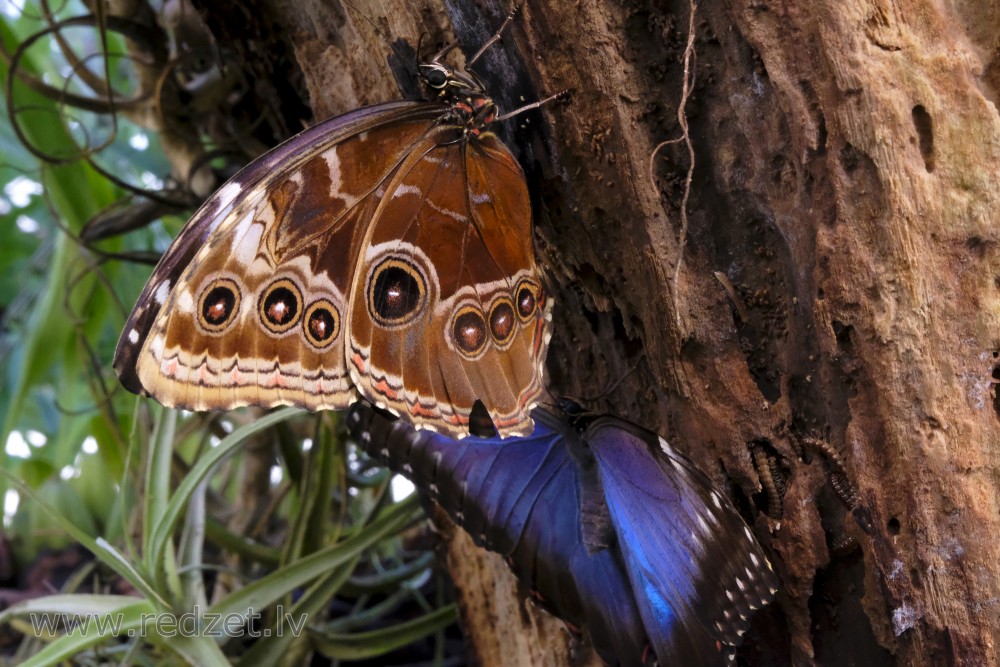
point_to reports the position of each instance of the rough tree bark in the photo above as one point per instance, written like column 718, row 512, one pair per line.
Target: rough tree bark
column 845, row 188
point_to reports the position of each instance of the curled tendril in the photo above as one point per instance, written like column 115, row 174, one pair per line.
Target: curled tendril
column 106, row 105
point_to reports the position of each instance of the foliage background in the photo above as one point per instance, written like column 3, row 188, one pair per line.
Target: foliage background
column 116, row 127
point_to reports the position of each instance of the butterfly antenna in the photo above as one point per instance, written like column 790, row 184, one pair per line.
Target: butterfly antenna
column 552, row 401
column 616, row 383
column 496, row 36
column 383, row 34
column 448, row 48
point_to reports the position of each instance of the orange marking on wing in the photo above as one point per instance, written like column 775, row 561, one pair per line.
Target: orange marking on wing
column 171, row 368
column 383, row 388
column 457, row 420
column 237, row 376
column 421, row 411
column 275, row 379
column 359, row 362
column 536, row 344
column 507, row 422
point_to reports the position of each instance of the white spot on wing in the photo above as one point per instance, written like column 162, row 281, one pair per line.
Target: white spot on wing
column 457, row 217
column 156, row 347
column 227, row 193
column 133, row 336
column 185, row 302
column 162, row 290
column 405, row 190
column 333, row 165
column 246, row 243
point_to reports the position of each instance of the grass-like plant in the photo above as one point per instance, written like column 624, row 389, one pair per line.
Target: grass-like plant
column 252, row 537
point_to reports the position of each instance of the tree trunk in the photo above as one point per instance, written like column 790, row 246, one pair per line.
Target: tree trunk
column 834, row 274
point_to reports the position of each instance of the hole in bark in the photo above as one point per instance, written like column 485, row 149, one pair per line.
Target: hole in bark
column 820, row 294
column 925, row 132
column 893, row 526
column 996, row 390
column 843, row 334
column 841, row 631
column 977, row 245
column 849, row 158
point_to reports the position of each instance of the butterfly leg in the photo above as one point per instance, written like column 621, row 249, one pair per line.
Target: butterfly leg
column 533, row 105
column 496, row 36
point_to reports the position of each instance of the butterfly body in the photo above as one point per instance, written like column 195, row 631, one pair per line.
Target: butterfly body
column 385, row 252
column 613, row 529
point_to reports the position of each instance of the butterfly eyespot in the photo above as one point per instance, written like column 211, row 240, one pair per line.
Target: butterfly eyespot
column 468, row 330
column 280, row 306
column 529, row 299
column 502, row 321
column 321, row 323
column 219, row 303
column 397, row 293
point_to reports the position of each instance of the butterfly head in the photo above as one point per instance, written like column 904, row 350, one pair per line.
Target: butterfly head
column 577, row 415
column 462, row 91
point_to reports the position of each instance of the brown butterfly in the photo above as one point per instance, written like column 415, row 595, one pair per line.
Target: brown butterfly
column 386, row 252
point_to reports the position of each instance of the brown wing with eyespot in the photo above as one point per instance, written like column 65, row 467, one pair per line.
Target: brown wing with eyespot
column 447, row 305
column 252, row 312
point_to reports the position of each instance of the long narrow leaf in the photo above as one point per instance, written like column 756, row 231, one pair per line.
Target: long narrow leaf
column 101, row 549
column 123, row 614
column 281, row 642
column 366, row 645
column 167, row 522
column 263, row 592
column 75, row 192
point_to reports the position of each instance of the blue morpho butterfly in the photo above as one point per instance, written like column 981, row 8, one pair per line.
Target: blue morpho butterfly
column 613, row 529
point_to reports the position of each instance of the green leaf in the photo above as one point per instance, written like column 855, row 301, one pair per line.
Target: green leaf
column 367, row 645
column 99, row 547
column 75, row 192
column 282, row 644
column 269, row 589
column 101, row 617
column 166, row 520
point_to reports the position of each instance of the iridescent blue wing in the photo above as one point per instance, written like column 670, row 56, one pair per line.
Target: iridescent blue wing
column 522, row 498
column 696, row 570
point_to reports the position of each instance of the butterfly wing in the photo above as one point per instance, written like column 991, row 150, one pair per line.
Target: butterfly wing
column 447, row 306
column 247, row 306
column 520, row 498
column 694, row 566
column 348, row 258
